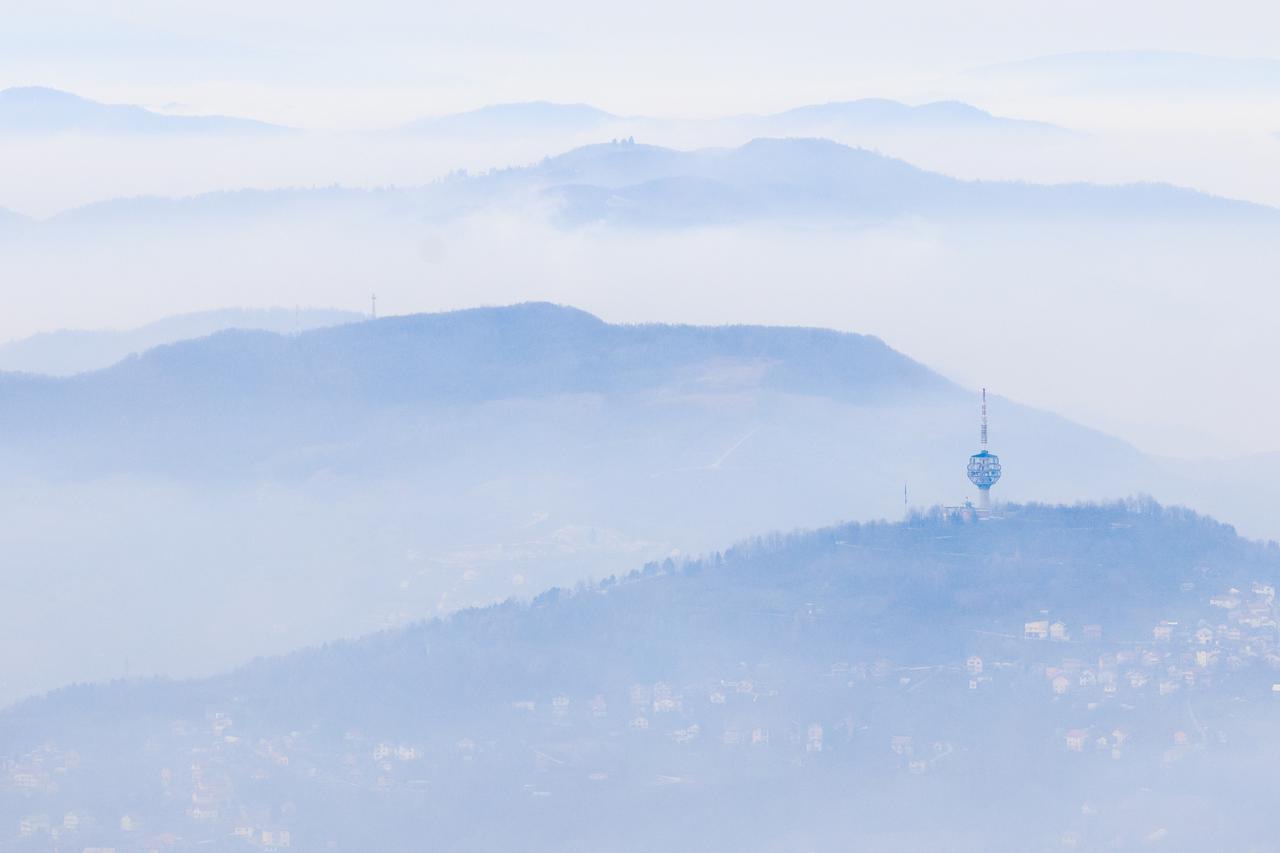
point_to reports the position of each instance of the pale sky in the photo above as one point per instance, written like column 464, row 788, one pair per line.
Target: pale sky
column 325, row 64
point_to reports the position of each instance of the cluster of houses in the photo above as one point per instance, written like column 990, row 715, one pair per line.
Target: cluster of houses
column 40, row 770
column 1237, row 630
column 198, row 783
column 206, row 760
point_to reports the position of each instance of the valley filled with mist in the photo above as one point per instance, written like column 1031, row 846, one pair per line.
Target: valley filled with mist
column 476, row 429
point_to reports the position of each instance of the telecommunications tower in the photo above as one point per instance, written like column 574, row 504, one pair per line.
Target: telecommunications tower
column 984, row 466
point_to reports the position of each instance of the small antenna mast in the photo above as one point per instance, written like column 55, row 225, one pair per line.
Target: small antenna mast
column 373, row 300
column 984, row 418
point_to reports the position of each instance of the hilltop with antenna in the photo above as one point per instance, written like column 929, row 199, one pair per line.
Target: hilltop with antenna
column 865, row 682
column 984, row 466
column 533, row 436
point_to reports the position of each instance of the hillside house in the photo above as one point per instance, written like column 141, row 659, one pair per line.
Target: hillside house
column 1076, row 739
column 275, row 839
column 1229, row 601
column 33, row 824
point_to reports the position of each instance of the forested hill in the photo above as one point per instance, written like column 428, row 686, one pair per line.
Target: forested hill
column 912, row 591
column 875, row 686
column 236, row 399
column 527, row 350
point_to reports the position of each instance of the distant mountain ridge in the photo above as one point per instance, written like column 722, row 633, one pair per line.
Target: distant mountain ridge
column 70, row 351
column 937, row 116
column 38, row 109
column 533, row 349
column 238, row 405
column 816, row 179
column 41, row 109
column 631, row 184
column 546, row 118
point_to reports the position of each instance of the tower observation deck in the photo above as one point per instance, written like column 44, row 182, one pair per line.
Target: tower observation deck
column 984, row 466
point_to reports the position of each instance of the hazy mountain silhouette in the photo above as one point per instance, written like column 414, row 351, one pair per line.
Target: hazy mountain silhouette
column 37, row 109
column 812, row 179
column 70, row 351
column 541, row 118
column 883, row 114
column 870, row 682
column 624, row 183
column 526, row 351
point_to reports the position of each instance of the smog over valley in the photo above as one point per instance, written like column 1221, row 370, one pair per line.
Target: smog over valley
column 578, row 427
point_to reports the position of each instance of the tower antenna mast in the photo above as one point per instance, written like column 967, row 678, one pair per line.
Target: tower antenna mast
column 984, row 466
column 984, row 418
